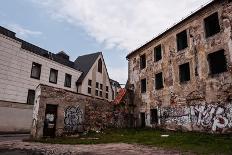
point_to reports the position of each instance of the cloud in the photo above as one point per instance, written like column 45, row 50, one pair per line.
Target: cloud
column 118, row 74
column 23, row 32
column 119, row 23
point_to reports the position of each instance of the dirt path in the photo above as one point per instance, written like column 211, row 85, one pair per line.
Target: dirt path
column 99, row 149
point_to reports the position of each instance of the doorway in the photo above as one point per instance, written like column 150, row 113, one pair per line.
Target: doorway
column 142, row 117
column 50, row 121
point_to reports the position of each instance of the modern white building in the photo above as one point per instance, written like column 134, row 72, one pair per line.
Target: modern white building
column 23, row 66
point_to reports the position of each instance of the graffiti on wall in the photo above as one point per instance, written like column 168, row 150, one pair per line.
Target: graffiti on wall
column 207, row 117
column 73, row 118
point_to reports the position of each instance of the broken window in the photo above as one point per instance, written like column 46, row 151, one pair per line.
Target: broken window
column 159, row 81
column 217, row 62
column 212, row 25
column 53, row 75
column 68, row 80
column 31, row 96
column 182, row 40
column 143, row 61
column 90, row 82
column 99, row 66
column 143, row 86
column 157, row 53
column 89, row 90
column 107, row 95
column 184, row 72
column 154, row 116
column 35, row 70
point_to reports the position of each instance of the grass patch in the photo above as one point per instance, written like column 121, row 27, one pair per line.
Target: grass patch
column 200, row 143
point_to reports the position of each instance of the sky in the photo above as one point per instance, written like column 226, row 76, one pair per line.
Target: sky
column 78, row 27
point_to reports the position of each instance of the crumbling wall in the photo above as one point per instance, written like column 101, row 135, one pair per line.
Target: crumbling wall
column 175, row 95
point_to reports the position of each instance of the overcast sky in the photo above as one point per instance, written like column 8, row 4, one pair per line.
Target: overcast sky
column 115, row 27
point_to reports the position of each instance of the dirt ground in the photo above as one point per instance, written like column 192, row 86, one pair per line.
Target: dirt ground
column 99, row 149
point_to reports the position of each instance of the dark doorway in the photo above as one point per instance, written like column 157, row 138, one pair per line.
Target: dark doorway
column 142, row 117
column 50, row 121
column 154, row 116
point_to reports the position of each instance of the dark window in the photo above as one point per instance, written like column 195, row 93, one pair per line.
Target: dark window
column 143, row 85
column 99, row 66
column 101, row 86
column 30, row 96
column 96, row 92
column 154, row 116
column 68, row 80
column 159, row 81
column 217, row 62
column 97, row 84
column 107, row 95
column 112, row 95
column 157, row 53
column 35, row 70
column 53, row 76
column 212, row 25
column 100, row 93
column 184, row 72
column 90, row 82
column 89, row 90
column 143, row 61
column 182, row 41
column 107, row 88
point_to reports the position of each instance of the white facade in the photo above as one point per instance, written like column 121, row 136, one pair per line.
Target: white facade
column 15, row 71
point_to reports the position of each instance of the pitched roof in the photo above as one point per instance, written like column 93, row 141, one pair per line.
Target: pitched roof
column 37, row 50
column 84, row 64
column 159, row 36
column 116, row 83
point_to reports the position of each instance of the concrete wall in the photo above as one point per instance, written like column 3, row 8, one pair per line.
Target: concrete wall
column 174, row 94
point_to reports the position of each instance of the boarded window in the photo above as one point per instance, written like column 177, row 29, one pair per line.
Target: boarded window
column 30, row 96
column 217, row 62
column 157, row 53
column 143, row 85
column 143, row 61
column 90, row 82
column 154, row 116
column 159, row 81
column 53, row 75
column 182, row 41
column 212, row 25
column 89, row 90
column 35, row 70
column 68, row 80
column 184, row 72
column 99, row 66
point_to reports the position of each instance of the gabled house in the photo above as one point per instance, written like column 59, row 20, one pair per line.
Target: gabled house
column 94, row 80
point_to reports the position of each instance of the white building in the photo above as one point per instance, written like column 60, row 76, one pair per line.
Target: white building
column 23, row 66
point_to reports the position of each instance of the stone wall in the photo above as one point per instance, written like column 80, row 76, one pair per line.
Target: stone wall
column 203, row 89
column 75, row 112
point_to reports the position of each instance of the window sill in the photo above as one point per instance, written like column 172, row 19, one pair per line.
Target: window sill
column 53, row 82
column 35, row 78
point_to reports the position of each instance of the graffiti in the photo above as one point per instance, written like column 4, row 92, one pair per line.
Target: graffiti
column 73, row 118
column 206, row 117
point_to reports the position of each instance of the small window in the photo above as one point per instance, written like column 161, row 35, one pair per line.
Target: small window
column 31, row 96
column 184, row 72
column 154, row 116
column 53, row 76
column 143, row 61
column 89, row 90
column 112, row 95
column 99, row 66
column 159, row 81
column 212, row 25
column 217, row 62
column 107, row 95
column 101, row 86
column 35, row 70
column 157, row 53
column 68, row 80
column 107, row 88
column 182, row 41
column 143, row 86
column 100, row 93
column 97, row 85
column 90, row 82
column 96, row 92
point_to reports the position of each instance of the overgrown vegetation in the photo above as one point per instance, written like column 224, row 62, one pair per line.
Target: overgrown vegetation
column 200, row 143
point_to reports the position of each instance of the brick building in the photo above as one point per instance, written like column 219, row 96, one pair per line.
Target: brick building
column 182, row 79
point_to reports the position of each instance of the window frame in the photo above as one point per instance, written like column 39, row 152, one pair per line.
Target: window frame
column 28, row 96
column 181, row 75
column 65, row 80
column 178, row 35
column 143, row 61
column 56, row 71
column 143, row 89
column 206, row 22
column 155, row 53
column 40, row 67
column 160, row 86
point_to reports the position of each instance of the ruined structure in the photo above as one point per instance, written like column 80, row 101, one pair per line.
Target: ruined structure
column 182, row 79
